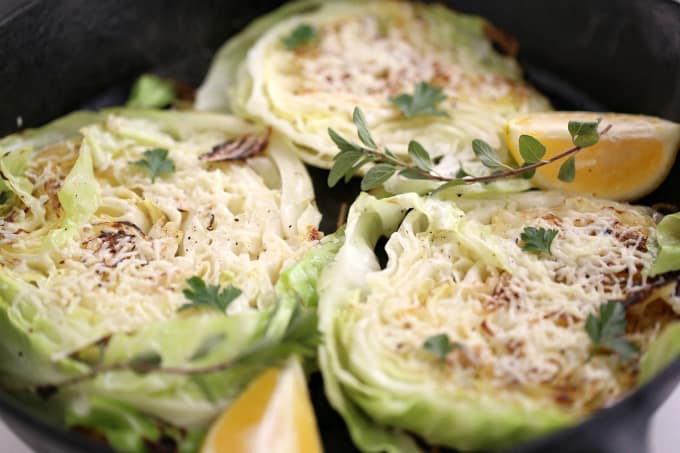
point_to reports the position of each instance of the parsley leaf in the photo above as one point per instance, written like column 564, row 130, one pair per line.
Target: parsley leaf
column 152, row 92
column 607, row 331
column 423, row 101
column 584, row 134
column 440, row 345
column 537, row 240
column 302, row 35
column 4, row 196
column 208, row 296
column 156, row 162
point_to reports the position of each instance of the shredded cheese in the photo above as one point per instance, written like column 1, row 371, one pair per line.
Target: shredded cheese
column 236, row 223
column 518, row 316
column 368, row 53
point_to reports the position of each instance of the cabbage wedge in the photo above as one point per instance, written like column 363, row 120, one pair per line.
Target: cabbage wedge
column 467, row 337
column 370, row 54
column 105, row 217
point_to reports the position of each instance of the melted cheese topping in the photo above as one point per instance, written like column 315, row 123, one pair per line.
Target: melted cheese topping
column 236, row 223
column 518, row 316
column 368, row 53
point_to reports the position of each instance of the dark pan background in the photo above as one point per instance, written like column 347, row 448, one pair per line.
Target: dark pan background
column 603, row 55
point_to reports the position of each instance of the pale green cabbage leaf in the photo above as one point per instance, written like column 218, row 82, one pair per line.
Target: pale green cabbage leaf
column 668, row 244
column 44, row 343
column 385, row 398
column 254, row 74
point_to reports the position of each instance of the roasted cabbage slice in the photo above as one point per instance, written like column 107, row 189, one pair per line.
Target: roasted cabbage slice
column 366, row 53
column 517, row 360
column 96, row 249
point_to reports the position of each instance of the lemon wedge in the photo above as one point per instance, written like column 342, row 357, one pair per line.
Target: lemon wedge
column 273, row 414
column 630, row 160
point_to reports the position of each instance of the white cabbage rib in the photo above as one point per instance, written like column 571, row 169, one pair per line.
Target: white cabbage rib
column 367, row 53
column 125, row 264
column 457, row 268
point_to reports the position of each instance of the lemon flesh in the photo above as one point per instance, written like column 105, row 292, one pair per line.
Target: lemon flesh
column 629, row 161
column 273, row 414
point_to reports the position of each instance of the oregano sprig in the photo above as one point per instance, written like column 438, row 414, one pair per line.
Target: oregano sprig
column 353, row 156
column 301, row 338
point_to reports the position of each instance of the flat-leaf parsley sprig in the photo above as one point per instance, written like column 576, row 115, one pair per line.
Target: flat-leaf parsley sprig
column 537, row 240
column 423, row 101
column 607, row 331
column 440, row 345
column 303, row 35
column 156, row 162
column 353, row 156
column 201, row 295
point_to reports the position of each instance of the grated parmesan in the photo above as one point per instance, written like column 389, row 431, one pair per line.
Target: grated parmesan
column 234, row 223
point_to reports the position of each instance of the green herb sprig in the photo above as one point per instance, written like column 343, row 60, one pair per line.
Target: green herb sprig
column 302, row 35
column 156, row 162
column 440, row 345
column 537, row 240
column 301, row 338
column 607, row 331
column 423, row 101
column 201, row 295
column 352, row 157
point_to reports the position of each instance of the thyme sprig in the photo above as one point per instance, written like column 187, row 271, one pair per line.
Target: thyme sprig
column 352, row 157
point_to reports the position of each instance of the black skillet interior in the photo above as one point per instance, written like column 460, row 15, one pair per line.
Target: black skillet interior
column 618, row 55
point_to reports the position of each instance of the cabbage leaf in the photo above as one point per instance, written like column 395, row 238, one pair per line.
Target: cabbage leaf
column 97, row 273
column 668, row 243
column 376, row 373
column 254, row 74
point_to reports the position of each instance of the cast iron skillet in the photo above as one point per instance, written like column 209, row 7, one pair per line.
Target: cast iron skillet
column 619, row 55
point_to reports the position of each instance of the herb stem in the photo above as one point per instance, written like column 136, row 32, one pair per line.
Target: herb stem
column 138, row 368
column 520, row 170
column 301, row 338
column 380, row 157
column 353, row 156
column 377, row 156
